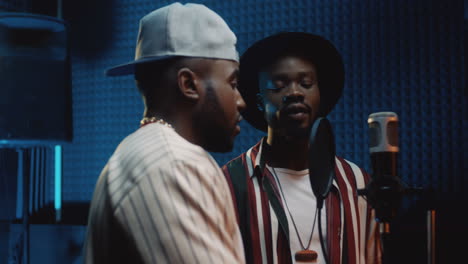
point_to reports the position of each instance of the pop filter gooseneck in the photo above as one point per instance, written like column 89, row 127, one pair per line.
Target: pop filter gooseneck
column 321, row 166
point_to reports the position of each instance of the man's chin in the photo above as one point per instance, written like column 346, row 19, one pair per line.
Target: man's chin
column 220, row 145
column 221, row 148
column 298, row 132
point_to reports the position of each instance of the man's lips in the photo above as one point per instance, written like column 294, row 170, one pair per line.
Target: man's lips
column 238, row 129
column 296, row 110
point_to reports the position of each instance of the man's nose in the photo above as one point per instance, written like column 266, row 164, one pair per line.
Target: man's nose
column 293, row 94
column 240, row 102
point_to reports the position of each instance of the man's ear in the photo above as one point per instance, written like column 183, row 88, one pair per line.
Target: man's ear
column 188, row 81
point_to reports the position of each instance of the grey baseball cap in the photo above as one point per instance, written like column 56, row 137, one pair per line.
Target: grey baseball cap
column 190, row 30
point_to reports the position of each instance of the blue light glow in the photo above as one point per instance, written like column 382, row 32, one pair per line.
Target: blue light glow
column 58, row 177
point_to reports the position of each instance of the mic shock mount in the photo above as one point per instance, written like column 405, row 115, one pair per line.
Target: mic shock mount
column 385, row 194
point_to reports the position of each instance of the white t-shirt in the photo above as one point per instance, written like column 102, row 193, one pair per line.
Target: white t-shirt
column 299, row 197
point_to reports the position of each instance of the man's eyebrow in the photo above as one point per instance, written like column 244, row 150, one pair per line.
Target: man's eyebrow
column 278, row 76
column 306, row 73
column 234, row 74
column 283, row 75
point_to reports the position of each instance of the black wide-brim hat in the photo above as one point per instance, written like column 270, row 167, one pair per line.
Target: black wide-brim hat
column 323, row 54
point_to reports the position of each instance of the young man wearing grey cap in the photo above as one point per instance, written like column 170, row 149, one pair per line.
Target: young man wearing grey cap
column 161, row 198
column 289, row 80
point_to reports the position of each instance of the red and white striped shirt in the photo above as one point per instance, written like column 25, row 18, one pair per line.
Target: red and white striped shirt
column 352, row 235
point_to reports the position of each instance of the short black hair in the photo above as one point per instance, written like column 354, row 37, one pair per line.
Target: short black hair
column 150, row 75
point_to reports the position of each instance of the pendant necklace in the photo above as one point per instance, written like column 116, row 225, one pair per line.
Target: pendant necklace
column 304, row 255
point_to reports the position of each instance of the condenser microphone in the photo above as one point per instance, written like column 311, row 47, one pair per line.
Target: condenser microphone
column 383, row 143
column 385, row 189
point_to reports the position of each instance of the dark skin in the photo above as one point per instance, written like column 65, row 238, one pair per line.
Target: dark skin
column 291, row 98
column 190, row 87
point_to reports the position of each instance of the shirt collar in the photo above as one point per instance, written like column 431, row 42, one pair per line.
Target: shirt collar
column 262, row 155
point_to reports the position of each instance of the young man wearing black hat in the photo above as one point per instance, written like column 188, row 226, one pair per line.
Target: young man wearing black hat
column 289, row 80
column 161, row 198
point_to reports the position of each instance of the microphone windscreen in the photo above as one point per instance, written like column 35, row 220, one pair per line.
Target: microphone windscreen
column 383, row 132
column 321, row 159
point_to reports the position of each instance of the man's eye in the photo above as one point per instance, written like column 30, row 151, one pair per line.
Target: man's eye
column 307, row 83
column 272, row 86
column 277, row 85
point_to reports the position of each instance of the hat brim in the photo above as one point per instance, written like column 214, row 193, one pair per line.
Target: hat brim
column 129, row 67
column 325, row 56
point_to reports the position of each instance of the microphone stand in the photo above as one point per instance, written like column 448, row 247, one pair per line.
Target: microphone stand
column 384, row 195
column 430, row 226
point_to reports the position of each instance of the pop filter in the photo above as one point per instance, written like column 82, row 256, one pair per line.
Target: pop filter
column 321, row 159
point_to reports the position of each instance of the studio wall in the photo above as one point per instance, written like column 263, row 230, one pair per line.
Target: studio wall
column 402, row 56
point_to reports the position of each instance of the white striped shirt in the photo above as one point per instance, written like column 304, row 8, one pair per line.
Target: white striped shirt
column 162, row 199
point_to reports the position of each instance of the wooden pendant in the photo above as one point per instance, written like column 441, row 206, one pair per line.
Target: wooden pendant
column 306, row 255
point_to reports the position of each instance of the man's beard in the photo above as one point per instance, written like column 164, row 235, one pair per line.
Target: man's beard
column 296, row 132
column 215, row 136
column 293, row 130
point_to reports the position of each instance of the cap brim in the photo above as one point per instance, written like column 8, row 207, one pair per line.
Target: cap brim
column 324, row 55
column 129, row 67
